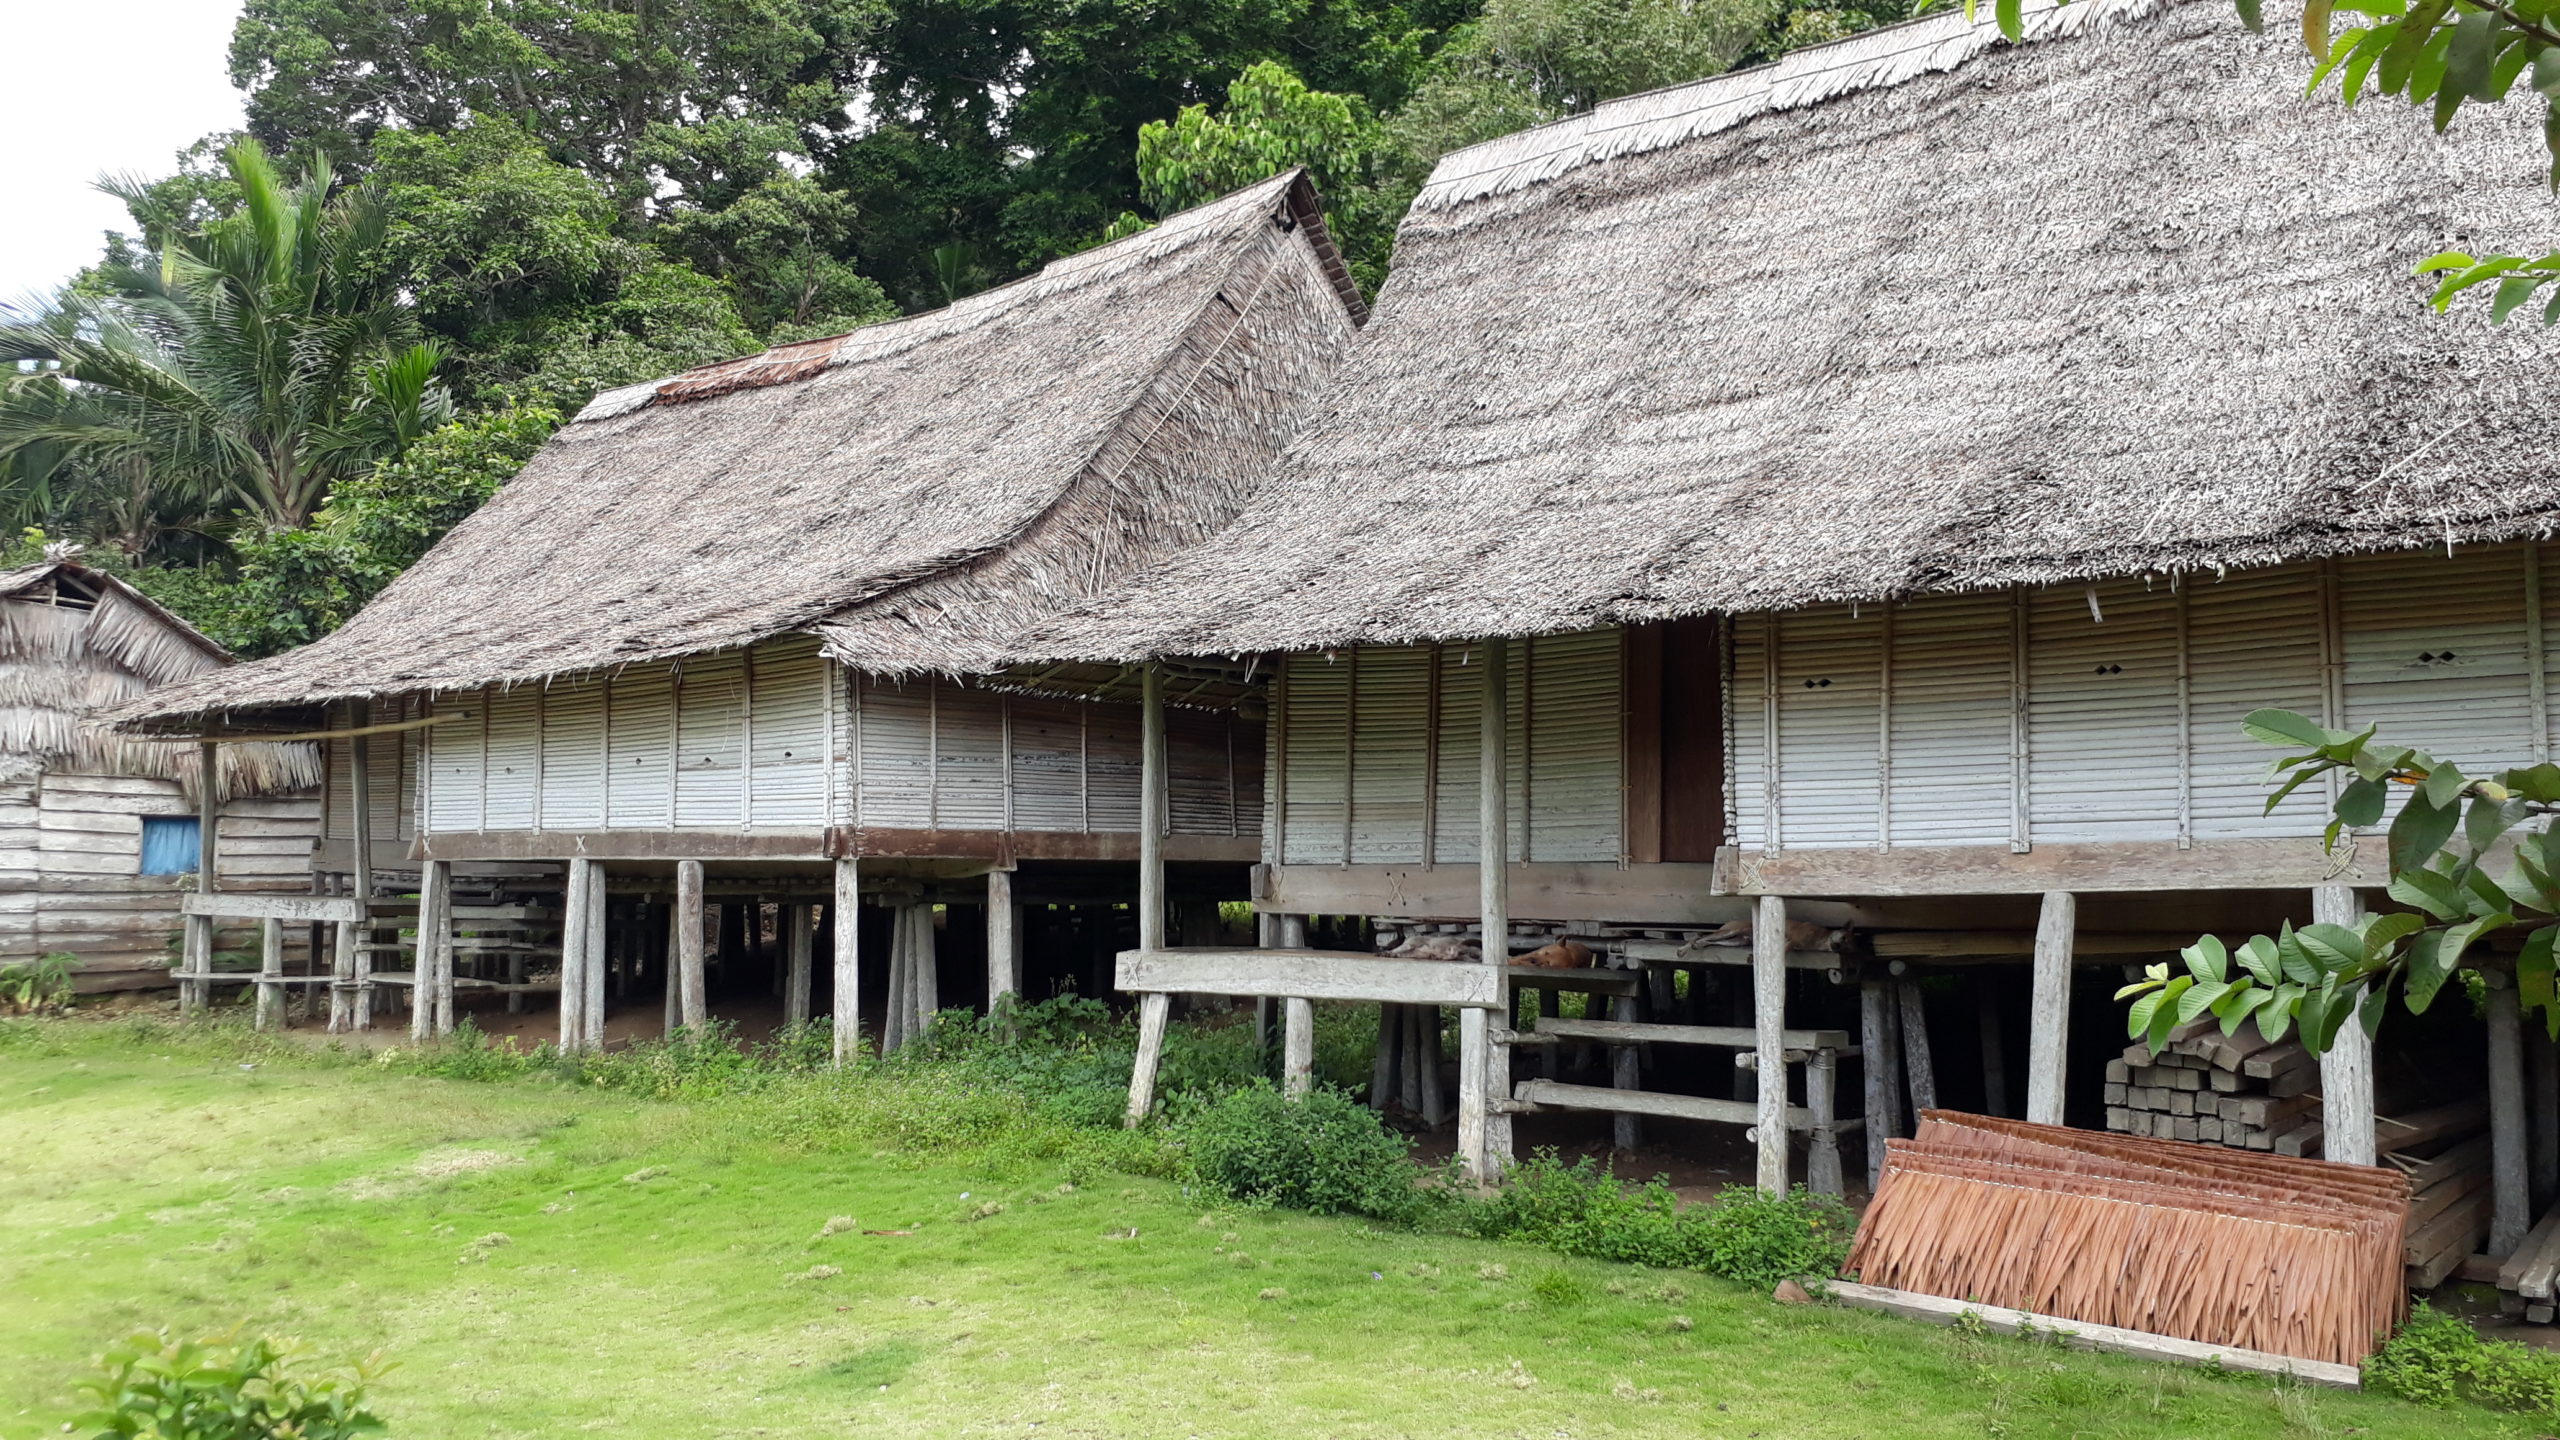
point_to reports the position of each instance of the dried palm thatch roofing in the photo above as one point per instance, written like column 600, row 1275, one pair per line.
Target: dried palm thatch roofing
column 961, row 469
column 75, row 642
column 1915, row 311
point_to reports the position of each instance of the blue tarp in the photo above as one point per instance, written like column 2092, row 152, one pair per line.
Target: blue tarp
column 168, row 845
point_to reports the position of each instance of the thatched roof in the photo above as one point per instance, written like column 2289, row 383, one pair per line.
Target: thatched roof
column 1001, row 453
column 76, row 643
column 1915, row 311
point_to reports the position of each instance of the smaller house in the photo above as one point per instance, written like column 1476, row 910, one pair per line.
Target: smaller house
column 100, row 832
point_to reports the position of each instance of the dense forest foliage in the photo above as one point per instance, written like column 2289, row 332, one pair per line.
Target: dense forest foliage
column 449, row 222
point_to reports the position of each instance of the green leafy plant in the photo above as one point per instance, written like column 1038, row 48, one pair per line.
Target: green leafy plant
column 1325, row 1153
column 2438, row 1359
column 151, row 1387
column 2440, row 845
column 35, row 987
column 1582, row 1209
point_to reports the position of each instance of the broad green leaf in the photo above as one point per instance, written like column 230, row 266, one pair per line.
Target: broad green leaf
column 2249, row 14
column 2206, row 959
column 2468, row 56
column 2427, row 971
column 2323, row 1016
column 2423, row 889
column 2449, row 260
column 2361, row 803
column 2137, row 1018
column 2514, row 52
column 2283, row 727
column 2538, row 783
column 2443, row 785
column 2512, row 292
column 2315, row 26
column 2369, row 1014
column 2298, row 965
column 2199, row 998
column 2289, row 786
column 2487, row 896
column 2165, row 1019
column 2419, row 831
column 2275, row 1013
column 2381, row 932
column 2011, row 19
column 2332, row 947
column 2459, row 938
column 2486, row 819
column 2416, row 29
column 2258, row 955
column 2534, row 967
column 2235, row 1003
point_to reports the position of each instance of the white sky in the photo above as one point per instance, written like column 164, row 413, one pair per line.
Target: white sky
column 96, row 89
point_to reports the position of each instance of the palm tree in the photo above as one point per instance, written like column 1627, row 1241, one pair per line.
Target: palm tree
column 265, row 356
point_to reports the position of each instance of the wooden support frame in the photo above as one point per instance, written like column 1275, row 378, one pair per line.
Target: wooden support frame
column 434, row 982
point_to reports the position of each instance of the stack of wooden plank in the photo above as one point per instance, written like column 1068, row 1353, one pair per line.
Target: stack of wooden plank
column 2264, row 1252
column 2445, row 1154
column 2239, row 1090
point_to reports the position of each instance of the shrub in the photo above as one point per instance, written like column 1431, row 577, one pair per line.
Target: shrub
column 34, row 987
column 1324, row 1153
column 156, row 1388
column 2437, row 1359
column 1582, row 1209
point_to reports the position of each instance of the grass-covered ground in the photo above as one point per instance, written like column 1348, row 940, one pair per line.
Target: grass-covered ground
column 544, row 1259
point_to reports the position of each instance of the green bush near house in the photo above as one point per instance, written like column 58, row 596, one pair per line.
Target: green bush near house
column 1324, row 1153
column 2438, row 1359
column 1745, row 1235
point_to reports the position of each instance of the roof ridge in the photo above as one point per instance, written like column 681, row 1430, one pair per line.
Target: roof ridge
column 799, row 360
column 1658, row 119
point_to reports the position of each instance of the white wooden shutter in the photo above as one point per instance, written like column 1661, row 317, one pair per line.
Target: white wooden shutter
column 1948, row 662
column 1319, row 696
column 515, row 757
column 1828, row 691
column 573, row 758
column 2253, row 642
column 457, row 762
column 1112, row 767
column 2102, row 714
column 2434, row 652
column 1575, row 746
column 897, row 752
column 1747, row 759
column 1200, row 794
column 1455, row 821
column 787, row 780
column 640, row 792
column 1048, row 764
column 711, row 742
column 1390, row 752
column 968, row 783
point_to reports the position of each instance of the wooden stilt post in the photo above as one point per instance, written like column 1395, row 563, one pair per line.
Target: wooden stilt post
column 1484, row 1069
column 1409, row 1058
column 270, row 975
column 1625, row 1073
column 796, row 960
column 1004, row 939
column 2049, row 1009
column 1769, row 1023
column 1995, row 1059
column 1917, row 1063
column 693, row 1002
column 2510, row 1203
column 1435, row 1101
column 1153, row 1008
column 844, row 917
column 1266, row 934
column 674, row 977
column 1386, row 1065
column 1822, row 1098
column 360, row 872
column 342, row 978
column 1152, row 791
column 195, row 991
column 1297, row 1047
column 591, row 1018
column 2346, row 1069
column 575, row 941
column 435, row 947
column 1880, row 1062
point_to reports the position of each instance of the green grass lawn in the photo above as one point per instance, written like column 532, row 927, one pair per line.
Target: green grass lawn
column 543, row 1261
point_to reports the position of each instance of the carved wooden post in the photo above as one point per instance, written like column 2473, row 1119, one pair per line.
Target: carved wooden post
column 2049, row 1012
column 1769, row 1023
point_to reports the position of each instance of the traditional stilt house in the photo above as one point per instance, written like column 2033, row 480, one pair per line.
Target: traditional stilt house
column 705, row 645
column 102, row 836
column 1828, row 522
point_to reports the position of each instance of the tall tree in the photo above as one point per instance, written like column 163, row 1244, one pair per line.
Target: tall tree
column 252, row 363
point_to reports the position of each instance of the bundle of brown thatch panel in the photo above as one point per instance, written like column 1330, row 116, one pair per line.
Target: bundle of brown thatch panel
column 2261, row 1252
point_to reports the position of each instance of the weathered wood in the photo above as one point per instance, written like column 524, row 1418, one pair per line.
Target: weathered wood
column 2347, row 1130
column 270, row 975
column 1559, row 1095
column 1152, row 1012
column 1297, row 1044
column 342, row 973
column 575, row 941
column 1386, row 1061
column 422, row 1008
column 2511, row 1214
column 2080, row 1334
column 693, row 1001
column 435, row 926
column 798, row 961
column 2513, row 1267
column 1821, row 1097
column 999, row 848
column 845, row 919
column 234, row 905
column 514, row 845
column 1492, row 908
column 592, row 958
column 1625, row 1073
column 2425, row 1175
column 2452, row 1233
column 1309, row 974
column 1918, row 1065
column 1768, row 1017
column 2086, row 947
column 1004, row 938
column 1590, row 980
column 2078, row 867
column 1624, row 1032
column 251, row 737
column 1669, row 894
column 1880, row 1065
column 1475, row 1079
column 2049, row 1010
column 1153, row 811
